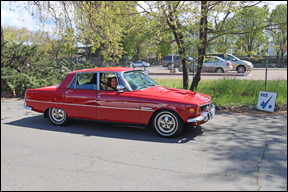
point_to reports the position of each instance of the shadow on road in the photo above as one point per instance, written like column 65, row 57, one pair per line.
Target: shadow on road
column 95, row 128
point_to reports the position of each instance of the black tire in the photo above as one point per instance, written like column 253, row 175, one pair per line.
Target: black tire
column 167, row 123
column 169, row 66
column 219, row 70
column 58, row 116
column 241, row 69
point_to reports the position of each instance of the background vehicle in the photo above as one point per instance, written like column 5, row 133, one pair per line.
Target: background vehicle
column 212, row 64
column 140, row 64
column 167, row 60
column 238, row 65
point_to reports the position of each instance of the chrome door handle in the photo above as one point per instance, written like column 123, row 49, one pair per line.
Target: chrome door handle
column 69, row 91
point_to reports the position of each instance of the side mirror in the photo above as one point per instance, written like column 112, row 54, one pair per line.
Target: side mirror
column 120, row 88
column 234, row 59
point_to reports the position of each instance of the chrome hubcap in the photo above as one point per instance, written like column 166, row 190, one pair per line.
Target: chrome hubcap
column 166, row 123
column 57, row 115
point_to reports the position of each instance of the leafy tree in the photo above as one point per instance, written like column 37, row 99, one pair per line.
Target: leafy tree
column 251, row 18
column 279, row 34
column 105, row 23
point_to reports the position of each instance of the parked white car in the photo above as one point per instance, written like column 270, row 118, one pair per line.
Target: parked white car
column 238, row 65
column 140, row 64
column 212, row 64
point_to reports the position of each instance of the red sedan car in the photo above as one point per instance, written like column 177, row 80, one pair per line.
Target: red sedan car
column 135, row 100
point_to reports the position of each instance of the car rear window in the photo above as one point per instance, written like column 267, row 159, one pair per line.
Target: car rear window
column 167, row 58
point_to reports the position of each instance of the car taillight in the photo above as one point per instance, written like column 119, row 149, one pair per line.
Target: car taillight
column 162, row 61
column 228, row 63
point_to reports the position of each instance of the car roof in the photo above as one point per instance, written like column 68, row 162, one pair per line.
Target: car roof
column 215, row 57
column 112, row 69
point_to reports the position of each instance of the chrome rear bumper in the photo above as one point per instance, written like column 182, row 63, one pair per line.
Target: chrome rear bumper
column 26, row 107
column 204, row 117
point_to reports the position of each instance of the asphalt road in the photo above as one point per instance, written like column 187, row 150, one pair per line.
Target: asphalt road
column 230, row 152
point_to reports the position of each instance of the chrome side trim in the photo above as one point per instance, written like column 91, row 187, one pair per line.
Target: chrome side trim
column 142, row 109
column 79, row 105
column 60, row 103
column 118, row 108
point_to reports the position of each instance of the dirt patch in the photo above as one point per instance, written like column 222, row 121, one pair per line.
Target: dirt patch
column 279, row 110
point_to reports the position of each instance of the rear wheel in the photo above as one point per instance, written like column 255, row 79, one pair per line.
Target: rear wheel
column 169, row 66
column 58, row 116
column 167, row 123
column 219, row 70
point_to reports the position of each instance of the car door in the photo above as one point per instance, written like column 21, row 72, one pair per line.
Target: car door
column 80, row 97
column 177, row 61
column 118, row 106
column 211, row 64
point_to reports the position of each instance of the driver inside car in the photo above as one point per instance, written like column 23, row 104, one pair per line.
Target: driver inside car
column 113, row 84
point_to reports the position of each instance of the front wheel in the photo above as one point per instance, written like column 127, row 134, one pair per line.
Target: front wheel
column 241, row 69
column 168, row 123
column 58, row 116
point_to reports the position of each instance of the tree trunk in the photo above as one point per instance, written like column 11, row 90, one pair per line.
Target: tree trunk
column 2, row 35
column 202, row 46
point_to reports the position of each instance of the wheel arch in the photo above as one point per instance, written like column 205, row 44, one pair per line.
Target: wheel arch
column 46, row 111
column 159, row 110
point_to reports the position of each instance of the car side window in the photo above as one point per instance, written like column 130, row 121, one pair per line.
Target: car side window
column 105, row 81
column 84, row 81
column 213, row 60
column 176, row 58
column 229, row 58
column 167, row 58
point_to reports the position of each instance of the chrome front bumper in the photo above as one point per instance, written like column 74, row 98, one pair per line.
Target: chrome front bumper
column 204, row 117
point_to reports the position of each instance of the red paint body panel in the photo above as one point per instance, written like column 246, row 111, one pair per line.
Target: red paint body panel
column 80, row 103
column 129, row 107
column 118, row 107
column 46, row 97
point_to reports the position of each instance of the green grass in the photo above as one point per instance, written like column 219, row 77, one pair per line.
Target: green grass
column 234, row 92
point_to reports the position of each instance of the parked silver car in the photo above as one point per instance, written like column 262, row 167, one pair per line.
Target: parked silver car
column 238, row 65
column 212, row 64
column 167, row 61
column 140, row 64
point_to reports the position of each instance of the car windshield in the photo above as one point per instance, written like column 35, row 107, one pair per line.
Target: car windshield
column 236, row 57
column 138, row 80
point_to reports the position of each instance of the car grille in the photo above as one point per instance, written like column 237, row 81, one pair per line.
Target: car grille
column 205, row 107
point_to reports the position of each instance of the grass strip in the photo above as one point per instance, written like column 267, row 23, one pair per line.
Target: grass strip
column 234, row 92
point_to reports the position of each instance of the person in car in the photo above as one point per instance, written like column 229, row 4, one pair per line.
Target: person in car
column 113, row 84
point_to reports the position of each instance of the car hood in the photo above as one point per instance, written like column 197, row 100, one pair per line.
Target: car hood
column 177, row 95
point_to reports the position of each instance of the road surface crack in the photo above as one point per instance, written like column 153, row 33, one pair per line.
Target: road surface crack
column 263, row 155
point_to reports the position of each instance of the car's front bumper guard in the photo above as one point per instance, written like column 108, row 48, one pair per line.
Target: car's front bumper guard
column 204, row 117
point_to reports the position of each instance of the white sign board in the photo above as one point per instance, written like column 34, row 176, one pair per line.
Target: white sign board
column 266, row 101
